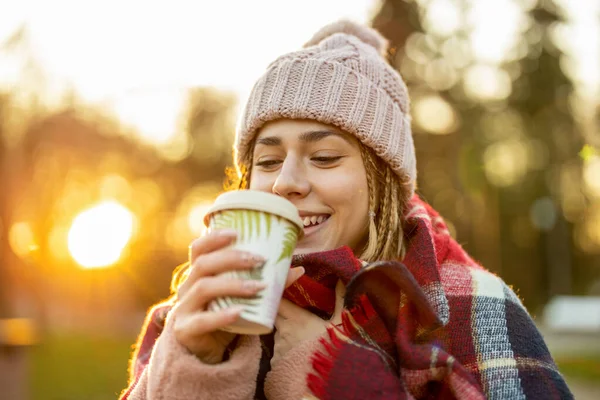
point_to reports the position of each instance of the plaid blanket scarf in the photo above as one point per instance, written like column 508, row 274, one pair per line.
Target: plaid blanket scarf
column 436, row 325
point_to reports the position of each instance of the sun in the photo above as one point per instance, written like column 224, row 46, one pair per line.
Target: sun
column 99, row 234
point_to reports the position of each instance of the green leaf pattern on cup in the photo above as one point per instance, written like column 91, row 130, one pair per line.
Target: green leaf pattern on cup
column 248, row 224
column 289, row 240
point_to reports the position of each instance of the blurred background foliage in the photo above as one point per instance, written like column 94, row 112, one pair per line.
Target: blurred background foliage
column 507, row 138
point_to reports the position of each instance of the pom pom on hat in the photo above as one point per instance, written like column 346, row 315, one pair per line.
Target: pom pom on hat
column 365, row 34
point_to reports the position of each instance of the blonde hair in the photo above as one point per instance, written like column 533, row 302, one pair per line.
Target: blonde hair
column 388, row 196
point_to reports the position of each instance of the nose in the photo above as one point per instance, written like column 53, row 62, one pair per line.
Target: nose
column 292, row 181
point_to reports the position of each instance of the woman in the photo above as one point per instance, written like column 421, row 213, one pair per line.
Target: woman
column 382, row 303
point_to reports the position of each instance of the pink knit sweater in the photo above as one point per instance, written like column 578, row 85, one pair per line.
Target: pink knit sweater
column 172, row 373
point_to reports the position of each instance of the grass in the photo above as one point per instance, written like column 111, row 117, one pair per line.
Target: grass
column 78, row 366
column 585, row 367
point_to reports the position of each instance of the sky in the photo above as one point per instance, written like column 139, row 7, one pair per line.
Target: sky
column 109, row 46
column 132, row 56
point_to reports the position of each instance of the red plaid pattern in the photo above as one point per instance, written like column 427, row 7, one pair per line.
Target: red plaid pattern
column 437, row 325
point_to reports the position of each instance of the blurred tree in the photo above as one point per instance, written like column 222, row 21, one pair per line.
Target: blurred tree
column 497, row 147
column 66, row 158
column 69, row 157
column 13, row 359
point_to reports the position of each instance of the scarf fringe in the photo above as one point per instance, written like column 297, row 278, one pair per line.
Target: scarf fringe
column 322, row 362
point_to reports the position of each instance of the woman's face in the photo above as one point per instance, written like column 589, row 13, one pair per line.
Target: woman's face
column 319, row 168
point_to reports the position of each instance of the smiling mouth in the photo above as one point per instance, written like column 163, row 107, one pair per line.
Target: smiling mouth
column 314, row 221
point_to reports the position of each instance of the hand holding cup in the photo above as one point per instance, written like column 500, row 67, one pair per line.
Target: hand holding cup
column 196, row 328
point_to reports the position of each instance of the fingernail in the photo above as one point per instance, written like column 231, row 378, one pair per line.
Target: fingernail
column 234, row 310
column 226, row 232
column 253, row 259
column 252, row 285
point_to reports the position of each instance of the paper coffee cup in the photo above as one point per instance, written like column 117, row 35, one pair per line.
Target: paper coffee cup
column 269, row 226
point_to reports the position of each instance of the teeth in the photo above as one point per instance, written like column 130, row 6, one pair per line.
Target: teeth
column 314, row 220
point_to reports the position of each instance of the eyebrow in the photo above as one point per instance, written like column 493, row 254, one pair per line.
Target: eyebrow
column 306, row 137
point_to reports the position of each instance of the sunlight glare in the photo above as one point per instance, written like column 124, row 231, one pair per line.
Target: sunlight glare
column 495, row 25
column 154, row 114
column 580, row 39
column 99, row 234
column 442, row 17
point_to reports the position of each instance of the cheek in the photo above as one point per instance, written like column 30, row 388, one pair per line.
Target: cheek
column 260, row 182
column 352, row 207
column 348, row 194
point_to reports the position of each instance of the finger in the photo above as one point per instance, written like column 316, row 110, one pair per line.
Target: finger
column 293, row 275
column 207, row 289
column 215, row 240
column 205, row 322
column 340, row 292
column 217, row 262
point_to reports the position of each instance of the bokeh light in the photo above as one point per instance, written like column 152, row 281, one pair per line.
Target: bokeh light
column 115, row 186
column 99, row 234
column 486, row 82
column 435, row 115
column 591, row 176
column 505, row 162
column 21, row 239
column 543, row 214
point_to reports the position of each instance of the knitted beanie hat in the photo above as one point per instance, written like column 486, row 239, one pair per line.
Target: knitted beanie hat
column 339, row 78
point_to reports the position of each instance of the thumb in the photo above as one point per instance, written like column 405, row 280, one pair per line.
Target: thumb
column 340, row 292
column 293, row 275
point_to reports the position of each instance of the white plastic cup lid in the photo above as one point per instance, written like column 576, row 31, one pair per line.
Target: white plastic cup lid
column 258, row 201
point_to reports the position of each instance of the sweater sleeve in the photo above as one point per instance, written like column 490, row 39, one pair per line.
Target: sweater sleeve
column 172, row 373
column 287, row 379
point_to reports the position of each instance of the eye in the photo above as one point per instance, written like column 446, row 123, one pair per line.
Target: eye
column 267, row 164
column 325, row 161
